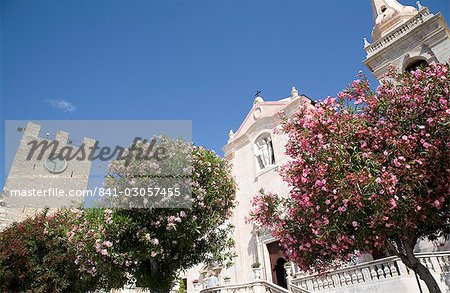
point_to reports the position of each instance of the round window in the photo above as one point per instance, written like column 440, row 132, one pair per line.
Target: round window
column 55, row 163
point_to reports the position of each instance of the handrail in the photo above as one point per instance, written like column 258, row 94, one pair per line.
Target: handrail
column 296, row 289
column 229, row 288
column 275, row 287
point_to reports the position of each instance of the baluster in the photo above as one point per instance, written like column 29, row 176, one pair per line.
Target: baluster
column 380, row 273
column 342, row 279
column 373, row 273
column 320, row 283
column 424, row 261
column 442, row 264
column 394, row 271
column 310, row 285
column 315, row 284
column 354, row 278
column 429, row 264
column 360, row 276
column 325, row 283
column 334, row 280
column 330, row 281
column 387, row 271
column 435, row 264
column 348, row 279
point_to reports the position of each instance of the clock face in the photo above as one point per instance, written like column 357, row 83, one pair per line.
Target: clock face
column 55, row 163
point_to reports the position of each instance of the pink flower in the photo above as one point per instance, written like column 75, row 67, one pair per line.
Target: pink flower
column 342, row 209
column 437, row 204
column 426, row 145
column 393, row 203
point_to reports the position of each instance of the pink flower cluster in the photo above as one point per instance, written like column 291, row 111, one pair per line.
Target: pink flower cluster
column 365, row 167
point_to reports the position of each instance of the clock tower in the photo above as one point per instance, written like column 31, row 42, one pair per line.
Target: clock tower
column 36, row 182
column 405, row 37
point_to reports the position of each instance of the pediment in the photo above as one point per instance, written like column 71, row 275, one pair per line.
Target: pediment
column 262, row 111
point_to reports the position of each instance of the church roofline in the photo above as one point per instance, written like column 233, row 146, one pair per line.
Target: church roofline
column 274, row 107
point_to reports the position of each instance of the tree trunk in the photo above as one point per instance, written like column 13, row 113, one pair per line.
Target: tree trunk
column 428, row 278
column 405, row 250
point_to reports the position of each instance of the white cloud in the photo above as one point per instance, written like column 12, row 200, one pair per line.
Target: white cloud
column 61, row 104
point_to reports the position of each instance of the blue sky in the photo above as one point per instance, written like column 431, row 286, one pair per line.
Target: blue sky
column 193, row 60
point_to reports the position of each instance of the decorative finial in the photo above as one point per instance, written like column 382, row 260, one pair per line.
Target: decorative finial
column 366, row 43
column 258, row 99
column 230, row 135
column 419, row 5
column 294, row 92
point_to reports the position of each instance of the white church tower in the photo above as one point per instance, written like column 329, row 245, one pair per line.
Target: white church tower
column 405, row 37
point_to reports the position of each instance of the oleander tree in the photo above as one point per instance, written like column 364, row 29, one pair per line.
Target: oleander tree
column 165, row 233
column 368, row 171
column 148, row 246
column 36, row 256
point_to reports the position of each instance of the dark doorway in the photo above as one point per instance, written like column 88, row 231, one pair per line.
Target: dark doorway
column 281, row 272
column 277, row 262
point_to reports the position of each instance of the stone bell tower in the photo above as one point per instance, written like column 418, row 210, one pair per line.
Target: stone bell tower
column 35, row 183
column 405, row 37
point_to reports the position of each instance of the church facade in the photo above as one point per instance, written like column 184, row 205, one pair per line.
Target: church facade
column 404, row 37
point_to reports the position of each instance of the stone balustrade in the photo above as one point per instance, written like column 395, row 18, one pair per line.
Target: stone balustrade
column 397, row 33
column 374, row 271
column 259, row 286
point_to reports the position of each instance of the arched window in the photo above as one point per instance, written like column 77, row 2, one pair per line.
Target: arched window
column 416, row 64
column 264, row 152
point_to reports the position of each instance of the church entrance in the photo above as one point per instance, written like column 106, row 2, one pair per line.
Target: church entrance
column 277, row 262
